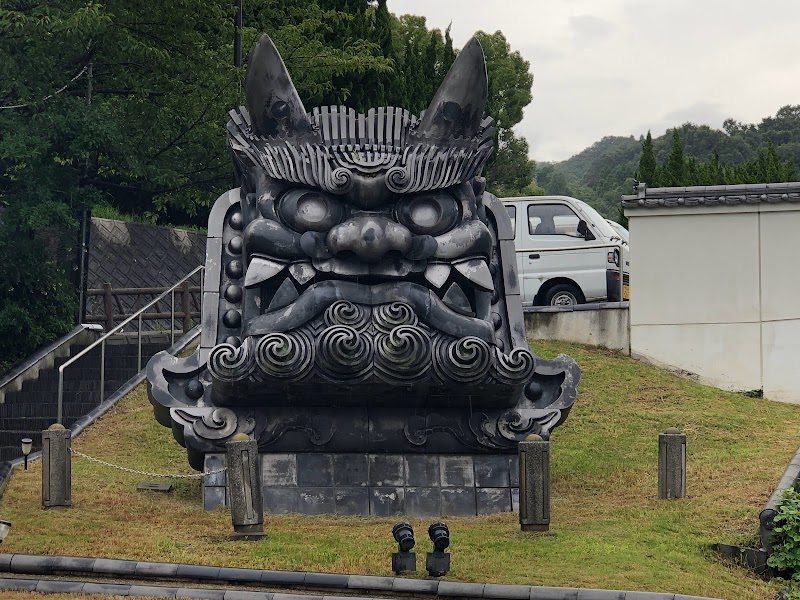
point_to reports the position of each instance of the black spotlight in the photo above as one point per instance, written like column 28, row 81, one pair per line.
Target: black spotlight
column 403, row 559
column 438, row 562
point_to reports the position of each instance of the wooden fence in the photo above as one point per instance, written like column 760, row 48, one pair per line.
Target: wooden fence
column 109, row 306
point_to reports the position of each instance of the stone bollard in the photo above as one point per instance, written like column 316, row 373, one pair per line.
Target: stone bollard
column 244, row 488
column 671, row 464
column 56, row 467
column 534, row 484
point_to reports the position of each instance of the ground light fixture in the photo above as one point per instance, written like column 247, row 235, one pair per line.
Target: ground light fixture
column 27, row 446
column 437, row 562
column 5, row 526
column 403, row 559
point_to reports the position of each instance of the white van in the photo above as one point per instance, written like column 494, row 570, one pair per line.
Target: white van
column 566, row 252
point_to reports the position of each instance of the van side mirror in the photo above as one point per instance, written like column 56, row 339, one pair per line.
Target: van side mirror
column 583, row 230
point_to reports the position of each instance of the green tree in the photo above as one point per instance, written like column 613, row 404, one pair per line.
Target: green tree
column 647, row 162
column 675, row 169
column 124, row 102
column 554, row 182
column 421, row 58
column 512, row 173
column 510, row 170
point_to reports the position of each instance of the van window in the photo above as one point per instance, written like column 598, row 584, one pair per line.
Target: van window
column 512, row 214
column 552, row 219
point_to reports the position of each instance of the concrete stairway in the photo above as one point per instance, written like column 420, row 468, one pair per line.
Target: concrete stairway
column 27, row 412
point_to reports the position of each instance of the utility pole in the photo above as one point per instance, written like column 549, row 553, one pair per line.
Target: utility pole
column 237, row 34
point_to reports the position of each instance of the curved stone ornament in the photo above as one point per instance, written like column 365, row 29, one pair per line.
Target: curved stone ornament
column 347, row 314
column 343, row 352
column 215, row 424
column 388, row 316
column 419, row 429
column 402, row 356
column 284, row 356
column 464, row 360
column 318, row 432
column 229, row 364
column 513, row 368
column 206, row 429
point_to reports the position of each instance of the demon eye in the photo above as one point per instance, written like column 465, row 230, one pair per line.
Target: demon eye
column 309, row 210
column 431, row 213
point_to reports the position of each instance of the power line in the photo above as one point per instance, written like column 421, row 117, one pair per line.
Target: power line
column 58, row 91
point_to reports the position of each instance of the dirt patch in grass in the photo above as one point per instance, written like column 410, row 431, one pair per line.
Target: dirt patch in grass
column 612, row 531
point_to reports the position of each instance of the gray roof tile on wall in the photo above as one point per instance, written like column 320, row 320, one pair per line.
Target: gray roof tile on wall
column 712, row 195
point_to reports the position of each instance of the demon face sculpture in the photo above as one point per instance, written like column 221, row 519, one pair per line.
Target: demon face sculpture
column 361, row 280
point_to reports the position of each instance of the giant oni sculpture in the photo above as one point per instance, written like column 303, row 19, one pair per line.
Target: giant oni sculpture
column 360, row 291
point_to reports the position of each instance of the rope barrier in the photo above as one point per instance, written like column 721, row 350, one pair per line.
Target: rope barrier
column 146, row 473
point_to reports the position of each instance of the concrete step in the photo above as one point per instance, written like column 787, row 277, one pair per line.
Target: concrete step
column 46, row 410
column 70, row 385
column 26, row 423
column 50, row 397
column 77, row 374
column 129, row 349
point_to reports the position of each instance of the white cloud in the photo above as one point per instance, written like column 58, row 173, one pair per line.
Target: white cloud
column 620, row 67
column 589, row 28
column 704, row 113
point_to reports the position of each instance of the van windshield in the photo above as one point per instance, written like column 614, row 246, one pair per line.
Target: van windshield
column 600, row 223
column 621, row 231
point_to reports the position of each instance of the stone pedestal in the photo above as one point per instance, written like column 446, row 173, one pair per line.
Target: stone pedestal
column 415, row 485
column 244, row 485
column 534, row 484
column 671, row 464
column 56, row 467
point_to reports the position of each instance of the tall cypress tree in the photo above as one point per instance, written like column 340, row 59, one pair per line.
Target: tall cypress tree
column 647, row 162
column 382, row 35
column 676, row 162
column 448, row 55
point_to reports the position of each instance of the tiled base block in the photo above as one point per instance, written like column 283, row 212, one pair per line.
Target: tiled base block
column 378, row 484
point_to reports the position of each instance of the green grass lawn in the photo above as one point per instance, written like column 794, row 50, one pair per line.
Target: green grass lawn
column 612, row 531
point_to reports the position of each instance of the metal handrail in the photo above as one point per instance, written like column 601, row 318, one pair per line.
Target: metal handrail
column 619, row 245
column 118, row 329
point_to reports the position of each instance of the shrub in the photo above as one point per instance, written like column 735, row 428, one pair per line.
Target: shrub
column 786, row 535
column 37, row 302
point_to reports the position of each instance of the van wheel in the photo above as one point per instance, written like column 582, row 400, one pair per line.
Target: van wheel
column 563, row 294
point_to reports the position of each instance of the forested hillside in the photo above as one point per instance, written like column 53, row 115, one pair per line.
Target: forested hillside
column 606, row 170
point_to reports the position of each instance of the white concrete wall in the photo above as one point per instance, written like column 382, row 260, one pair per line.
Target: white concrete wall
column 780, row 302
column 715, row 290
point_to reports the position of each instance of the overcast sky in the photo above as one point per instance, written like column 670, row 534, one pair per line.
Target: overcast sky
column 621, row 67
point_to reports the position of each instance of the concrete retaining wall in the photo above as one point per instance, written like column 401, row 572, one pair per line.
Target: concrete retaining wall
column 604, row 324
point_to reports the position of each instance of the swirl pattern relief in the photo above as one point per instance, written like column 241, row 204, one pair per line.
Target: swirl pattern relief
column 355, row 343
column 461, row 360
column 348, row 314
column 343, row 352
column 288, row 356
column 513, row 368
column 229, row 364
column 404, row 355
column 388, row 316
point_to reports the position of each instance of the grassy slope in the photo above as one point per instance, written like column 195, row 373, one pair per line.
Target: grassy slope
column 612, row 532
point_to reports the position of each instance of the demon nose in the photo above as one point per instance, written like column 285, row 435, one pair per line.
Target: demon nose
column 370, row 238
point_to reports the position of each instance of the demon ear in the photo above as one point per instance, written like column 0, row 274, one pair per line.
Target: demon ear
column 457, row 108
column 275, row 108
